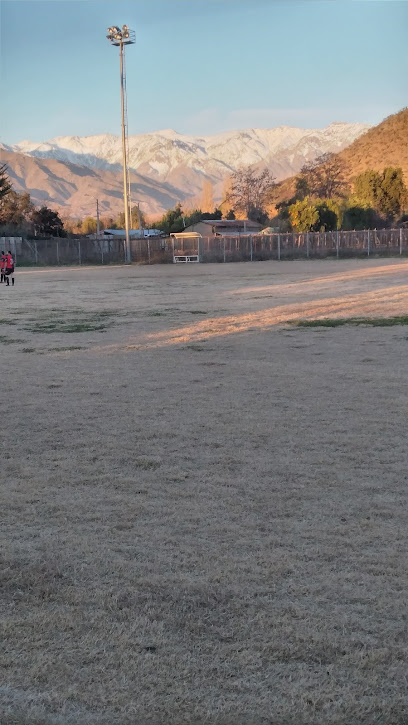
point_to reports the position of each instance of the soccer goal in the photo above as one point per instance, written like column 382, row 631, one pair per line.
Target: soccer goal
column 186, row 247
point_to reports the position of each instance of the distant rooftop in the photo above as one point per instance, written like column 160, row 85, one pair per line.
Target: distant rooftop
column 231, row 223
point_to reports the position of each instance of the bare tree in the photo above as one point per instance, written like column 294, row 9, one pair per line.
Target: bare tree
column 250, row 191
column 207, row 197
column 324, row 177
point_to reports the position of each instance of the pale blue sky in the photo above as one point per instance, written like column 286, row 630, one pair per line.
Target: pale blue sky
column 200, row 66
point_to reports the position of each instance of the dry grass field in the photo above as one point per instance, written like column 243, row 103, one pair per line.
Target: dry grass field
column 203, row 506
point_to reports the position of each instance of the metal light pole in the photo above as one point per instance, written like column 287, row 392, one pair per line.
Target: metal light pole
column 97, row 219
column 122, row 37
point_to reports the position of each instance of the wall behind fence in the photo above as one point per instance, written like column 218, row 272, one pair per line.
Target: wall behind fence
column 211, row 249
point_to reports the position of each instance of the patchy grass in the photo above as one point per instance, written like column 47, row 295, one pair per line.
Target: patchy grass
column 195, row 347
column 340, row 321
column 146, row 464
column 65, row 326
column 5, row 340
column 6, row 321
column 188, row 544
column 66, row 348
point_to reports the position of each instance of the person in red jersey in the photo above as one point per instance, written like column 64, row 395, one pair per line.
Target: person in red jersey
column 9, row 273
column 2, row 267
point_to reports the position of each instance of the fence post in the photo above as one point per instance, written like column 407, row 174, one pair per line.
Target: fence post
column 36, row 252
column 307, row 244
column 279, row 247
column 79, row 251
column 250, row 240
column 148, row 249
column 223, row 239
column 58, row 252
column 400, row 241
column 368, row 242
column 337, row 244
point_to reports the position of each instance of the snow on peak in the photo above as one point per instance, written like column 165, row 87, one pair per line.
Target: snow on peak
column 167, row 155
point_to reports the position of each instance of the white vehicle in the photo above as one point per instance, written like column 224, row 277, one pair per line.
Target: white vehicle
column 152, row 233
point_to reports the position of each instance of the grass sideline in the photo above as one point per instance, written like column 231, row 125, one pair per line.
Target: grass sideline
column 341, row 321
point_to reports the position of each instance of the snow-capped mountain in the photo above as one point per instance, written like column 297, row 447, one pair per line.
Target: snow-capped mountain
column 184, row 161
column 68, row 172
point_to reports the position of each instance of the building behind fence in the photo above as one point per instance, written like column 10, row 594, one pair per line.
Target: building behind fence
column 60, row 251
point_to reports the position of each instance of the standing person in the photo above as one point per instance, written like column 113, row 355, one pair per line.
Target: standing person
column 2, row 267
column 9, row 268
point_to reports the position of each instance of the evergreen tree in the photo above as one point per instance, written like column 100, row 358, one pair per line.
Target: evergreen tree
column 328, row 218
column 385, row 193
column 367, row 188
column 47, row 221
column 5, row 186
column 393, row 192
column 359, row 217
column 172, row 221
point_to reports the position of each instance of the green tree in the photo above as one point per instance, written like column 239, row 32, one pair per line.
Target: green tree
column 216, row 214
column 328, row 218
column 393, row 192
column 230, row 215
column 172, row 221
column 360, row 217
column 5, row 185
column 385, row 193
column 250, row 191
column 367, row 188
column 47, row 221
column 303, row 215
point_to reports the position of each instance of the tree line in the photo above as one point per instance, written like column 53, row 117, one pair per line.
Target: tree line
column 20, row 217
column 325, row 201
column 321, row 200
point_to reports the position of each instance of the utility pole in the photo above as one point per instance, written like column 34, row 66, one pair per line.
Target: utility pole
column 121, row 38
column 97, row 219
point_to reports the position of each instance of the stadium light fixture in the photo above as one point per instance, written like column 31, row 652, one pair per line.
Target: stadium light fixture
column 120, row 38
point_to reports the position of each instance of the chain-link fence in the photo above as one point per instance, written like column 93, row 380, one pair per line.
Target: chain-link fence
column 338, row 244
column 56, row 251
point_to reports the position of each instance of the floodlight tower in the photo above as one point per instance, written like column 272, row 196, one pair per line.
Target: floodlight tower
column 122, row 37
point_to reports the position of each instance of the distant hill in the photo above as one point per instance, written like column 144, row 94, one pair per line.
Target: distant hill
column 73, row 189
column 381, row 146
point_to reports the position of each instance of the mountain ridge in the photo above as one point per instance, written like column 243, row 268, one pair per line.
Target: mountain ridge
column 166, row 166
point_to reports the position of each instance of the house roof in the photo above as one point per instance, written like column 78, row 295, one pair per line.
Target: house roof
column 237, row 223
